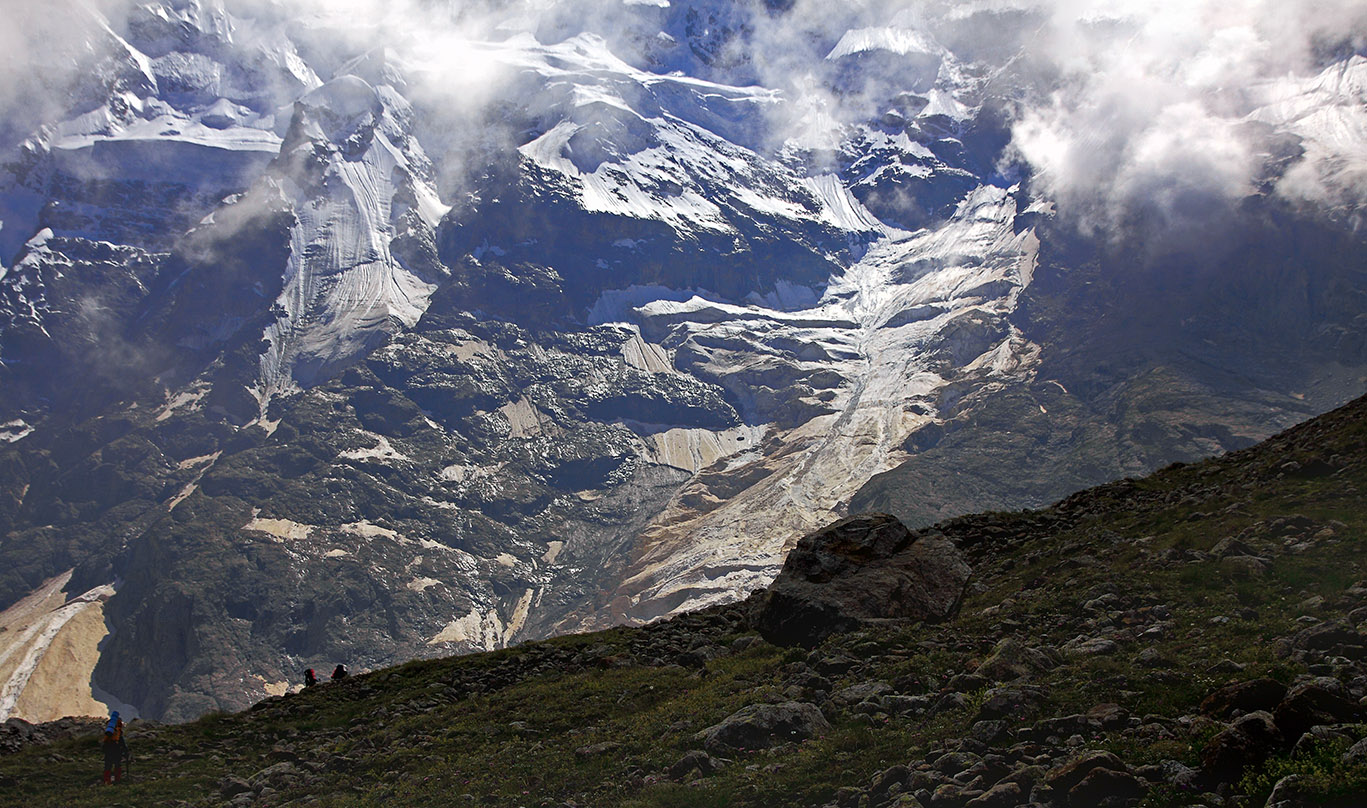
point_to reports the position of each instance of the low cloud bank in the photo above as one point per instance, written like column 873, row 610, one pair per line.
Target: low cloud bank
column 1173, row 108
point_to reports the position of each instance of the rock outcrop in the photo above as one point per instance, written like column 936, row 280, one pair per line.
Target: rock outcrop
column 861, row 569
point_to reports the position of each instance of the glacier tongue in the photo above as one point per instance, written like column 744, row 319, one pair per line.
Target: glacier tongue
column 853, row 377
column 359, row 180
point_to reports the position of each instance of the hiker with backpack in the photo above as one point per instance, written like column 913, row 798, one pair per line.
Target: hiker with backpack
column 115, row 749
column 339, row 673
column 310, row 678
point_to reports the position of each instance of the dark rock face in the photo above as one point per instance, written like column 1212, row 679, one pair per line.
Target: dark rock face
column 861, row 568
column 1171, row 408
column 761, row 726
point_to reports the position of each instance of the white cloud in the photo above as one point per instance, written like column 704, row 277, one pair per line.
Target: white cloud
column 1157, row 100
column 1124, row 104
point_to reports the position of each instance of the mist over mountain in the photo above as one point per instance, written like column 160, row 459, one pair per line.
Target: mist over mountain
column 363, row 331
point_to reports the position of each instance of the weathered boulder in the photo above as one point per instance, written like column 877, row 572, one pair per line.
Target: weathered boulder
column 1008, row 703
column 1289, row 792
column 861, row 569
column 695, row 762
column 1249, row 741
column 1106, row 788
column 1065, row 777
column 760, row 726
column 1356, row 754
column 231, row 786
column 1002, row 795
column 1321, row 700
column 1013, row 659
column 1245, row 697
column 1330, row 635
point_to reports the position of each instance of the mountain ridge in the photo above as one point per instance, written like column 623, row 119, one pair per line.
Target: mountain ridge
column 511, row 326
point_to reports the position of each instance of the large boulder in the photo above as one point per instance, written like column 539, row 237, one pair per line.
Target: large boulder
column 1094, row 778
column 861, row 569
column 1012, row 659
column 1244, row 697
column 1321, row 700
column 1249, row 741
column 760, row 726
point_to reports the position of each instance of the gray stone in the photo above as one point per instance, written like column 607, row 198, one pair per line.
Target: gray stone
column 760, row 726
column 861, row 569
column 1255, row 694
column 1321, row 700
column 1012, row 659
column 1090, row 646
column 865, row 691
column 1327, row 635
column 1249, row 741
column 1151, row 658
column 285, row 771
column 232, row 785
column 1289, row 792
column 1356, row 754
column 695, row 761
column 1002, row 795
column 1316, row 737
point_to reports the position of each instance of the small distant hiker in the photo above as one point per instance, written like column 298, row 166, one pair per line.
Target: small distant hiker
column 310, row 678
column 115, row 749
column 339, row 672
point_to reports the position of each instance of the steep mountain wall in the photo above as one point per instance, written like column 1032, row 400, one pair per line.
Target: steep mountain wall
column 365, row 335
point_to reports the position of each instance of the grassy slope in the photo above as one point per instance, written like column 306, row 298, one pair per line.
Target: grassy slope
column 527, row 726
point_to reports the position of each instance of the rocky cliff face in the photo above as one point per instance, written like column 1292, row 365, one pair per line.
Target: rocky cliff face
column 320, row 351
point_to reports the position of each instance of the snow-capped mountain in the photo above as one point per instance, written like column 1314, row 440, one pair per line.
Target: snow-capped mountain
column 361, row 332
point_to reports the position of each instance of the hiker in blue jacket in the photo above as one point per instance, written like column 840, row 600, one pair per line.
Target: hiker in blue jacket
column 115, row 749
